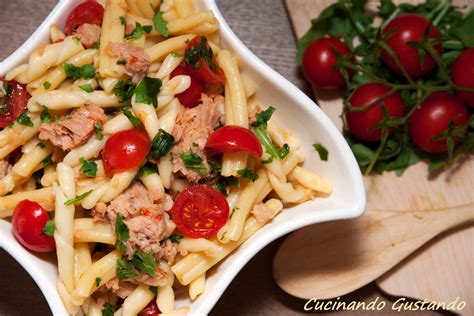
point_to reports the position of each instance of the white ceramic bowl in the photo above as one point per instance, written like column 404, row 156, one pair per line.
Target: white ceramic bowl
column 295, row 111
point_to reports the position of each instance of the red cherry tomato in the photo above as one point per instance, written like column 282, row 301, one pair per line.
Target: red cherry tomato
column 361, row 123
column 189, row 98
column 433, row 117
column 319, row 63
column 125, row 150
column 206, row 71
column 200, row 211
column 463, row 75
column 28, row 221
column 89, row 12
column 151, row 309
column 15, row 104
column 230, row 139
column 405, row 29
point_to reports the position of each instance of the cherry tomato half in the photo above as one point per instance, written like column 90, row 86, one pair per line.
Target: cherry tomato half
column 15, row 104
column 89, row 12
column 189, row 98
column 361, row 123
column 405, row 29
column 28, row 222
column 200, row 211
column 433, row 117
column 230, row 139
column 463, row 75
column 125, row 150
column 151, row 309
column 319, row 61
column 203, row 64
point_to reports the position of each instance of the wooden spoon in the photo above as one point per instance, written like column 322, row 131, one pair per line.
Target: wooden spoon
column 332, row 259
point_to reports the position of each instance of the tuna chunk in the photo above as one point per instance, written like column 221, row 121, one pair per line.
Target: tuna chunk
column 160, row 278
column 88, row 34
column 120, row 288
column 193, row 127
column 75, row 129
column 146, row 232
column 5, row 168
column 170, row 250
column 136, row 60
column 262, row 213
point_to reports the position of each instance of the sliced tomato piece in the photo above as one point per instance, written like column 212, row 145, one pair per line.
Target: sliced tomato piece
column 125, row 150
column 89, row 12
column 189, row 98
column 230, row 139
column 201, row 61
column 16, row 101
column 200, row 211
column 28, row 221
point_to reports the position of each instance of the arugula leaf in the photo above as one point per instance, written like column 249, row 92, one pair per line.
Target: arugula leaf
column 145, row 262
column 132, row 118
column 24, row 119
column 147, row 90
column 45, row 116
column 98, row 131
column 97, row 281
column 121, row 233
column 192, row 161
column 88, row 168
column 322, row 151
column 160, row 24
column 124, row 89
column 126, row 269
column 77, row 198
column 161, row 145
column 73, row 72
column 248, row 173
column 48, row 229
column 87, row 87
column 108, row 310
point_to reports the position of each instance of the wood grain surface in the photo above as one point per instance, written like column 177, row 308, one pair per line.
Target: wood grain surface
column 264, row 27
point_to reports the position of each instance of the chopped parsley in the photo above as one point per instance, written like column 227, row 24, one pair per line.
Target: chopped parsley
column 233, row 211
column 268, row 160
column 98, row 131
column 132, row 118
column 176, row 238
column 260, row 129
column 124, row 89
column 263, row 117
column 192, row 161
column 108, row 310
column 125, row 269
column 73, row 72
column 121, row 232
column 45, row 116
column 121, row 62
column 146, row 170
column 87, row 88
column 147, row 28
column 47, row 161
column 194, row 54
column 88, row 168
column 41, row 145
column 220, row 186
column 322, row 151
column 161, row 145
column 49, row 228
column 160, row 24
column 97, row 281
column 153, row 289
column 122, row 20
column 140, row 262
column 248, row 173
column 138, row 31
column 24, row 119
column 147, row 90
column 46, row 85
column 77, row 198
column 96, row 45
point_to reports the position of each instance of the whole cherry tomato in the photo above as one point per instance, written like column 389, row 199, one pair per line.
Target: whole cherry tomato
column 433, row 117
column 463, row 75
column 200, row 211
column 125, row 150
column 404, row 31
column 362, row 123
column 231, row 138
column 201, row 61
column 151, row 309
column 15, row 104
column 189, row 98
column 28, row 222
column 89, row 12
column 319, row 62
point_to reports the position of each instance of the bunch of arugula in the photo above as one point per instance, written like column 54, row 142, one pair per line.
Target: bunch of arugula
column 350, row 21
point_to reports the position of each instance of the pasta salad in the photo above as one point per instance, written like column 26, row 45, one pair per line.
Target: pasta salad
column 133, row 146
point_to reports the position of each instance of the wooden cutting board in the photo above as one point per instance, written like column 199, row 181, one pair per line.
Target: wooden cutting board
column 442, row 270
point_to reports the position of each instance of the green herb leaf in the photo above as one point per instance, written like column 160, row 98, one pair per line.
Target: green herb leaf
column 194, row 55
column 97, row 281
column 160, row 24
column 322, row 151
column 98, row 131
column 137, row 32
column 147, row 90
column 87, row 88
column 147, row 28
column 176, row 238
column 77, row 198
column 108, row 310
column 122, row 20
column 263, row 117
column 248, row 173
column 124, row 89
column 88, row 168
column 121, row 233
column 73, row 72
column 44, row 116
column 145, row 262
column 125, row 269
column 146, row 170
column 49, row 228
column 47, row 161
column 46, row 85
column 24, row 119
column 192, row 161
column 121, row 62
column 132, row 118
column 161, row 145
column 283, row 151
column 220, row 186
